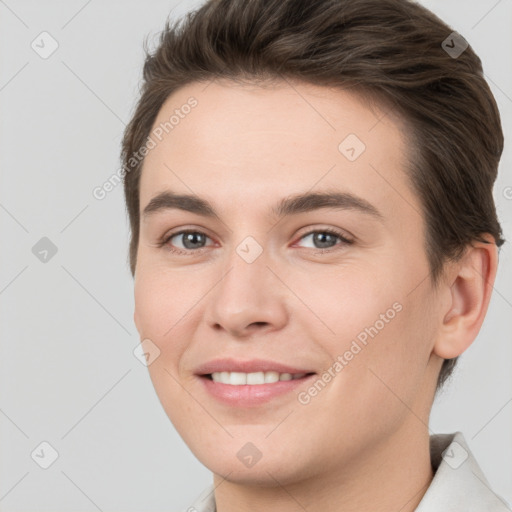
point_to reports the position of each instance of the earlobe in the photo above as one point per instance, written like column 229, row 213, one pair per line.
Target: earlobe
column 469, row 295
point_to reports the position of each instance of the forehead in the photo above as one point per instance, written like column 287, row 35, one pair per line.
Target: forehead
column 244, row 145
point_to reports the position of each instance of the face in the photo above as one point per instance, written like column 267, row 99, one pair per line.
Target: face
column 334, row 285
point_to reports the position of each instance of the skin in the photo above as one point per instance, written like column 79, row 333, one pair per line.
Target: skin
column 362, row 443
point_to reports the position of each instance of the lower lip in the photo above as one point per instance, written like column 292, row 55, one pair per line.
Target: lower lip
column 247, row 395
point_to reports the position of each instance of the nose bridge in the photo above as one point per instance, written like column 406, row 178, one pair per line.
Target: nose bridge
column 247, row 292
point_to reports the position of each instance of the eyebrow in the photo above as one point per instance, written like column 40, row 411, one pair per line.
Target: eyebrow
column 292, row 205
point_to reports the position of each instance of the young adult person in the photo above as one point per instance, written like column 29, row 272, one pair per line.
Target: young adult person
column 314, row 243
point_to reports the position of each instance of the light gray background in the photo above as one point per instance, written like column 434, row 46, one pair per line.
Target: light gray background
column 67, row 369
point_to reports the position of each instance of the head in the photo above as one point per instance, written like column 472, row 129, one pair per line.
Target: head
column 244, row 107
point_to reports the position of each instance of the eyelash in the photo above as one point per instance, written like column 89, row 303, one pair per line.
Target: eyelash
column 192, row 252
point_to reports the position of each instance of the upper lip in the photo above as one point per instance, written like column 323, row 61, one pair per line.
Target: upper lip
column 251, row 366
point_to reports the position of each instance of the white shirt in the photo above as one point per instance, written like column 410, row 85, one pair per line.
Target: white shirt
column 458, row 484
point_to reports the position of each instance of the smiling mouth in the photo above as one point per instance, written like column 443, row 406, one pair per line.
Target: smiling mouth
column 254, row 378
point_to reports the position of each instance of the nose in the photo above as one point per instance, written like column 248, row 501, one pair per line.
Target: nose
column 249, row 298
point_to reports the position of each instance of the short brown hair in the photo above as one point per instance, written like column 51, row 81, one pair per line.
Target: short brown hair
column 390, row 49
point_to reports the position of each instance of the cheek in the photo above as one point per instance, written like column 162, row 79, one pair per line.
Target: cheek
column 162, row 303
column 160, row 298
column 161, row 306
column 343, row 302
column 377, row 331
column 387, row 370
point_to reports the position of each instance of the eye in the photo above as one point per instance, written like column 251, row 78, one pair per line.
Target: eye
column 326, row 238
column 191, row 240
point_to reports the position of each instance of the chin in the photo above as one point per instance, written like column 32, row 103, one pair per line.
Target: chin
column 262, row 474
column 270, row 468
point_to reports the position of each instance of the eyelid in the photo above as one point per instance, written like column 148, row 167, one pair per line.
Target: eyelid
column 344, row 235
column 164, row 241
column 185, row 229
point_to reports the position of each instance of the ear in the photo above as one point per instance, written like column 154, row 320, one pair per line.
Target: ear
column 469, row 286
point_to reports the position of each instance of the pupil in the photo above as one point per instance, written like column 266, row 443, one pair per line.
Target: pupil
column 191, row 237
column 320, row 238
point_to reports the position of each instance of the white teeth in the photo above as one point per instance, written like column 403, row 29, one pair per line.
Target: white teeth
column 240, row 378
column 271, row 377
column 255, row 378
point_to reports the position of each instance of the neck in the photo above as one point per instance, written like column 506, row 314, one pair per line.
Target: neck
column 394, row 476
